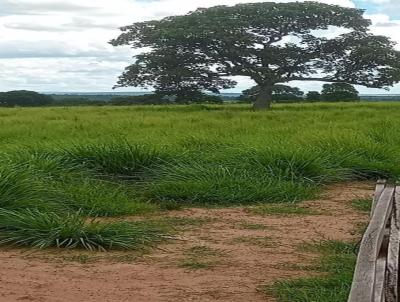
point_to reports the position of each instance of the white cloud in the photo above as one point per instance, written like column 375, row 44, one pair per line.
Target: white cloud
column 60, row 74
column 62, row 44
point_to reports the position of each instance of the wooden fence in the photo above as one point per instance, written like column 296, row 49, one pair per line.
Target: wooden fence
column 376, row 277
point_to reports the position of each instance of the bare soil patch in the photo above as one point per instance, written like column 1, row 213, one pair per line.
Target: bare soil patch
column 223, row 255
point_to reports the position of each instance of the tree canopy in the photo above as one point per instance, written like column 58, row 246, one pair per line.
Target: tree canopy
column 271, row 43
column 174, row 72
column 339, row 92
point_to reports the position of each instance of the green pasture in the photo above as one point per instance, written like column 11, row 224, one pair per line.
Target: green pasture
column 85, row 162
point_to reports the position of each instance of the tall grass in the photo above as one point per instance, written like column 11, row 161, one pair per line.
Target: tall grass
column 47, row 229
column 48, row 179
column 199, row 182
column 102, row 199
column 44, row 163
column 16, row 185
column 116, row 158
column 19, row 189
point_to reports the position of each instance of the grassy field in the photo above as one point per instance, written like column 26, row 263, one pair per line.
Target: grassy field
column 62, row 169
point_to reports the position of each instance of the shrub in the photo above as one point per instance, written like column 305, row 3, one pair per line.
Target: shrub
column 339, row 92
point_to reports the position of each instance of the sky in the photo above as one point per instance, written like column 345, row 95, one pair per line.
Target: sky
column 62, row 45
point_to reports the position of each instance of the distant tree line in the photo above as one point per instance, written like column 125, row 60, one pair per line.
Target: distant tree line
column 24, row 98
column 335, row 92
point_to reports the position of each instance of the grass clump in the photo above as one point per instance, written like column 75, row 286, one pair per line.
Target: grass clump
column 363, row 205
column 103, row 199
column 199, row 182
column 363, row 159
column 47, row 229
column 20, row 189
column 15, row 186
column 337, row 263
column 49, row 164
column 306, row 165
column 118, row 158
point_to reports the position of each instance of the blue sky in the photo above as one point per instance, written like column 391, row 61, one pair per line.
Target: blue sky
column 389, row 7
column 370, row 7
column 61, row 45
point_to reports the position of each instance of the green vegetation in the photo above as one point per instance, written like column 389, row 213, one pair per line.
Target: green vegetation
column 362, row 204
column 337, row 265
column 47, row 229
column 114, row 161
column 339, row 92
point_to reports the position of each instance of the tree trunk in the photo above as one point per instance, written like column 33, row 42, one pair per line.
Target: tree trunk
column 264, row 99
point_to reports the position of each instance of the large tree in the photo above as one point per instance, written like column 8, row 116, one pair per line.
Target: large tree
column 273, row 43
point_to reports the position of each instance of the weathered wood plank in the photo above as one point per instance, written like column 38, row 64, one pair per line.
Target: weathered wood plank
column 380, row 186
column 379, row 293
column 392, row 267
column 363, row 287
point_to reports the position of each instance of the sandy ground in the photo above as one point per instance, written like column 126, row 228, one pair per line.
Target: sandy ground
column 223, row 255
